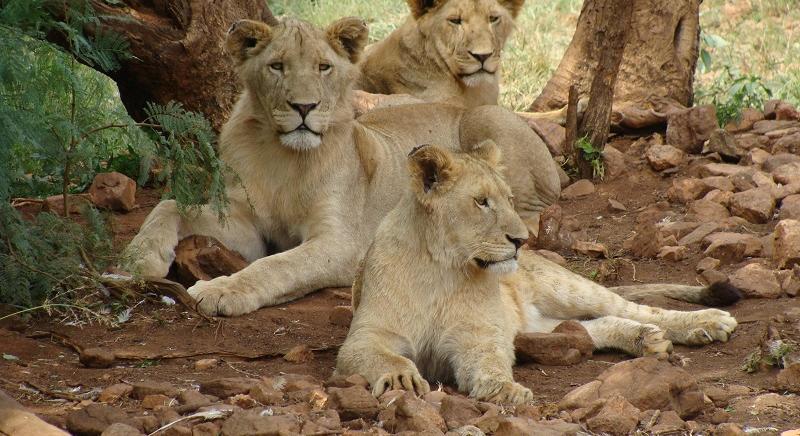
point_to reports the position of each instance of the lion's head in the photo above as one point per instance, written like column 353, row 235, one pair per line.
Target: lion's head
column 468, row 206
column 301, row 76
column 468, row 35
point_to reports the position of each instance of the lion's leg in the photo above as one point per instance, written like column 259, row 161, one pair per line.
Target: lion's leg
column 152, row 250
column 322, row 262
column 697, row 327
column 379, row 355
column 482, row 360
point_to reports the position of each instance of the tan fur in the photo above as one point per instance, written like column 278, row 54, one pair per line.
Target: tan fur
column 319, row 193
column 427, row 306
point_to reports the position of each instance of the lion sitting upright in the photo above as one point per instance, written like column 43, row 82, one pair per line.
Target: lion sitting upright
column 445, row 288
column 319, row 180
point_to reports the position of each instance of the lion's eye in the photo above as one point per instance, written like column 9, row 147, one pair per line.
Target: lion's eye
column 455, row 20
column 482, row 202
column 276, row 66
column 324, row 67
column 494, row 18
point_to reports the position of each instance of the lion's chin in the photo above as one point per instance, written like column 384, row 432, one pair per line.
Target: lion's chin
column 507, row 266
column 301, row 140
column 477, row 78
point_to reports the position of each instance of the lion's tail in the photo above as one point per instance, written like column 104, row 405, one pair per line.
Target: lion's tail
column 716, row 295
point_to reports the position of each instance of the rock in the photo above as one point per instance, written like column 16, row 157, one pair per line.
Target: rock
column 266, row 394
column 549, row 229
column 191, row 400
column 94, row 419
column 787, row 173
column 251, row 423
column 154, row 400
column 616, row 417
column 669, row 423
column 688, row 129
column 579, row 189
column 778, row 160
column 791, row 282
column 341, row 316
column 707, row 263
column 787, row 243
column 756, row 157
column 521, row 426
column 697, row 235
column 686, row 190
column 784, row 191
column 785, row 111
column 725, row 144
column 552, row 257
column 789, row 377
column 299, row 354
column 745, row 122
column 76, row 202
column 729, row 429
column 614, row 162
column 673, row 253
column 721, row 396
column 114, row 392
column 227, row 387
column 205, row 364
column 616, row 206
column 766, row 126
column 416, row 415
column 458, row 411
column 591, row 249
column 97, row 357
column 353, row 403
column 467, row 430
column 120, row 429
column 722, row 169
column 721, row 197
column 148, row 423
column 754, row 205
column 663, row 157
column 790, row 208
column 732, row 247
column 568, row 344
column 143, row 389
column 719, row 416
column 346, row 382
column 206, row 429
column 707, row 211
column 204, row 258
column 551, row 133
column 178, row 430
column 756, row 281
column 114, row 191
column 647, row 383
column 718, row 182
column 787, row 144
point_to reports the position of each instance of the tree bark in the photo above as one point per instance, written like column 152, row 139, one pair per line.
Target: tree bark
column 658, row 63
column 177, row 48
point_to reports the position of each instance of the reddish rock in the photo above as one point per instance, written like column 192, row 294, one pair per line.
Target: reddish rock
column 663, row 157
column 152, row 401
column 785, row 111
column 568, row 344
column 114, row 191
column 766, row 126
column 416, row 415
column 266, row 394
column 779, row 159
column 787, row 243
column 789, row 377
column 787, row 144
column 94, row 419
column 756, row 157
column 790, row 208
column 669, row 423
column 697, row 235
column 591, row 249
column 353, row 403
column 341, row 316
column 115, row 392
column 673, row 253
column 552, row 257
column 521, row 426
column 227, row 387
column 204, row 258
column 205, row 364
column 549, row 229
column 614, row 162
column 686, row 190
column 754, row 205
column 707, row 211
column 616, row 417
column 731, row 247
column 579, row 189
column 784, row 191
column 718, row 182
column 729, row 429
column 253, row 423
column 120, row 429
column 551, row 133
column 724, row 144
column 722, row 197
column 787, row 173
column 745, row 122
column 299, row 354
column 791, row 282
column 707, row 263
column 76, row 202
column 688, row 129
column 722, row 169
column 756, row 281
column 458, row 411
column 143, row 389
column 647, row 383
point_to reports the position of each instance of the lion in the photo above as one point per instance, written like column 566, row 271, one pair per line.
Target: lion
column 314, row 181
column 445, row 287
column 446, row 51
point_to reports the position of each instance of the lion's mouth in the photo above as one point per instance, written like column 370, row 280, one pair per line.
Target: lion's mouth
column 477, row 72
column 486, row 264
column 304, row 128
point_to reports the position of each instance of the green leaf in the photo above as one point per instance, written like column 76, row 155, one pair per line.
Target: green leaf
column 10, row 357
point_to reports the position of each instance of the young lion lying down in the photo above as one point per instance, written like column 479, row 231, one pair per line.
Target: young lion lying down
column 444, row 289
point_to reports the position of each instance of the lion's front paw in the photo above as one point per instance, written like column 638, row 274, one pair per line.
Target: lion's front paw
column 222, row 296
column 710, row 325
column 653, row 342
column 502, row 393
column 409, row 380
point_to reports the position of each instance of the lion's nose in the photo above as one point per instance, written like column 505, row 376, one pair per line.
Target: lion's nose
column 480, row 57
column 516, row 241
column 303, row 109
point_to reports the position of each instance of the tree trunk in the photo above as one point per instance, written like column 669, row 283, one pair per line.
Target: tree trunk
column 177, row 48
column 657, row 67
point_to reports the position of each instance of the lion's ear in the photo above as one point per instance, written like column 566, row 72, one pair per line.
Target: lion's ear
column 421, row 7
column 348, row 36
column 431, row 168
column 245, row 37
column 487, row 151
column 514, row 6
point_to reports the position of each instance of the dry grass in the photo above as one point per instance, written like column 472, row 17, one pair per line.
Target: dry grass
column 763, row 39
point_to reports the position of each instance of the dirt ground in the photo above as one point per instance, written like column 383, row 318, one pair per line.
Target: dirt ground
column 46, row 365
